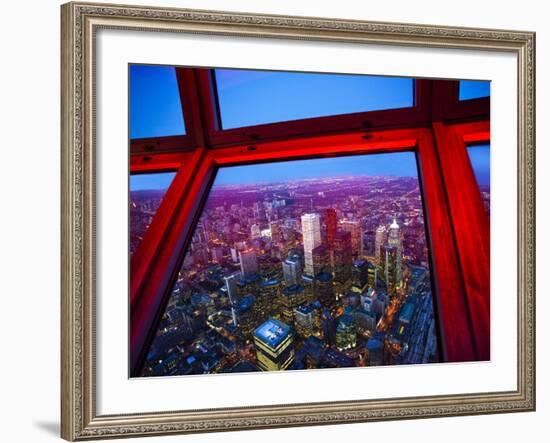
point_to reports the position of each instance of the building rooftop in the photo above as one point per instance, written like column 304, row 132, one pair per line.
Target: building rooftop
column 272, row 332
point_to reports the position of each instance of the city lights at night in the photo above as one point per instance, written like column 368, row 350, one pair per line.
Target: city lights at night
column 302, row 265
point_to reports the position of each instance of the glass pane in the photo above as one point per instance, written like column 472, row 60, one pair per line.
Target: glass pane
column 306, row 264
column 146, row 194
column 480, row 158
column 249, row 98
column 155, row 106
column 469, row 89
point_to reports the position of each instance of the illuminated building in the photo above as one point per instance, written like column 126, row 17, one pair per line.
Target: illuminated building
column 342, row 258
column 275, row 232
column 269, row 295
column 249, row 262
column 366, row 322
column 373, row 302
column 307, row 319
column 274, row 345
column 311, row 233
column 359, row 276
column 395, row 240
column 324, row 290
column 245, row 313
column 234, row 255
column 389, row 266
column 372, row 274
column 231, row 286
column 255, row 231
column 291, row 297
column 350, row 299
column 292, row 270
column 321, row 259
column 354, row 228
column 346, row 334
column 380, row 239
column 310, row 292
column 217, row 254
column 329, row 216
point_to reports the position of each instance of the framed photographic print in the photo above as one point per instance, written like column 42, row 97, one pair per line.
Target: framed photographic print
column 275, row 221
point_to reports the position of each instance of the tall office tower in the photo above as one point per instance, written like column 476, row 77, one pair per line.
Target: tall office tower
column 292, row 270
column 311, row 233
column 359, row 276
column 274, row 345
column 269, row 298
column 342, row 257
column 324, row 290
column 308, row 282
column 231, row 286
column 346, row 332
column 394, row 239
column 372, row 274
column 354, row 228
column 234, row 255
column 275, row 228
column 389, row 266
column 255, row 231
column 330, row 220
column 259, row 211
column 380, row 239
column 291, row 297
column 249, row 262
column 321, row 259
column 366, row 322
column 245, row 315
column 217, row 253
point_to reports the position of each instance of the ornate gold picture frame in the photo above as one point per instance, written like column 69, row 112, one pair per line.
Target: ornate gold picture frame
column 80, row 23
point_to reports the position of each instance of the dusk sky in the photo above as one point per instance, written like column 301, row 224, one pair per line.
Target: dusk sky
column 254, row 97
column 155, row 107
column 469, row 89
column 481, row 163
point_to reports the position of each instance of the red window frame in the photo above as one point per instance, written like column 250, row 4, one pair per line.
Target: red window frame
column 457, row 225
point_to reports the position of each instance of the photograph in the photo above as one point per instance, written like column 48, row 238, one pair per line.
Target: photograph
column 313, row 263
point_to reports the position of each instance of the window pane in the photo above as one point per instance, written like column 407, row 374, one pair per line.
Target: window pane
column 480, row 159
column 469, row 89
column 155, row 107
column 249, row 98
column 304, row 264
column 146, row 194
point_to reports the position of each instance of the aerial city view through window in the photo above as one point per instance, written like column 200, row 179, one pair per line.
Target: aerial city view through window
column 323, row 260
column 319, row 263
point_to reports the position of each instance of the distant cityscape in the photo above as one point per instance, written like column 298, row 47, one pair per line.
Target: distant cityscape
column 324, row 272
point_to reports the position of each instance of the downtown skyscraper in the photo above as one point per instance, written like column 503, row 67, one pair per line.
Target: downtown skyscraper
column 311, row 233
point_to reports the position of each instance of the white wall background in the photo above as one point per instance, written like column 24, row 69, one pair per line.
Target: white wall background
column 29, row 217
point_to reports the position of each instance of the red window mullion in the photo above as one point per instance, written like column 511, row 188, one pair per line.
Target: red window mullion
column 151, row 285
column 470, row 225
column 450, row 303
column 145, row 256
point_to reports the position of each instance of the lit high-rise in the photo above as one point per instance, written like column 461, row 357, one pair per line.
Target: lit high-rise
column 311, row 233
column 354, row 228
column 249, row 262
column 274, row 344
